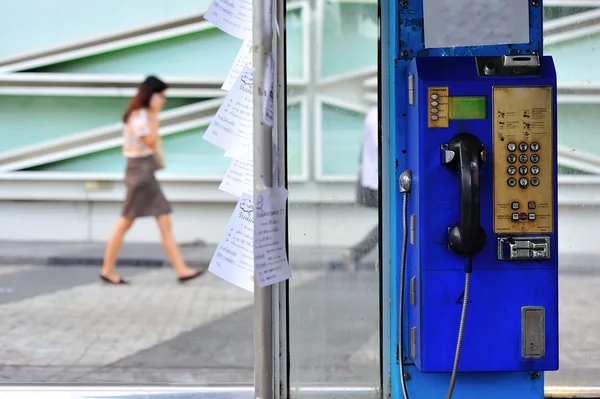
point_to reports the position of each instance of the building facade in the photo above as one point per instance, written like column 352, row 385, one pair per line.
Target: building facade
column 68, row 70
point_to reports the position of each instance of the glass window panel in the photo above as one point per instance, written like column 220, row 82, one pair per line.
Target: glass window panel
column 349, row 37
column 576, row 59
column 334, row 333
column 341, row 134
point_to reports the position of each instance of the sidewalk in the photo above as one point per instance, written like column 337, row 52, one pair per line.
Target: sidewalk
column 146, row 255
column 198, row 255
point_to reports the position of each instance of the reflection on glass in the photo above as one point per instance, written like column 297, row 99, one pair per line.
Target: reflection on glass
column 61, row 132
column 334, row 315
column 570, row 34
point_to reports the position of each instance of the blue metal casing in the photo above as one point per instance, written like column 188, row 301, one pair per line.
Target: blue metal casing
column 499, row 289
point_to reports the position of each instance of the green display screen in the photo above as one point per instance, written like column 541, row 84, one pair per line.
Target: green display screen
column 468, row 107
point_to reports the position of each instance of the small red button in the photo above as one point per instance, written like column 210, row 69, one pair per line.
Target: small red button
column 523, row 216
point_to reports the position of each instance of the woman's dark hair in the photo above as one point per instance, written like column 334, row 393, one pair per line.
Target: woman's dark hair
column 146, row 90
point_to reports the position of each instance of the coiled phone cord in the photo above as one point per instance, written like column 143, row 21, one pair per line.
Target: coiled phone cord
column 401, row 304
column 461, row 328
column 463, row 316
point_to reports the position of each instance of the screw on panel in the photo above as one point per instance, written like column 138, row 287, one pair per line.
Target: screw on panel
column 535, row 3
column 406, row 377
column 535, row 375
column 404, row 4
column 404, row 53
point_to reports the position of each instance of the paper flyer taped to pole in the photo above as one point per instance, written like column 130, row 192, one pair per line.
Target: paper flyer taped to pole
column 270, row 256
column 241, row 60
column 239, row 178
column 233, row 17
column 233, row 260
column 232, row 127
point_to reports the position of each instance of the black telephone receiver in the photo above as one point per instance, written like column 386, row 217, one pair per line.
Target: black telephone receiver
column 463, row 154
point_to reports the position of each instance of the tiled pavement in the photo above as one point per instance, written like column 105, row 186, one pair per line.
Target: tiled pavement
column 59, row 325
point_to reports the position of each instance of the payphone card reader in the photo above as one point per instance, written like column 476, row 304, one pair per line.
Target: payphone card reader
column 482, row 150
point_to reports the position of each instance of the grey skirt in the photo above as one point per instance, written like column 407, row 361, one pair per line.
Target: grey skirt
column 144, row 195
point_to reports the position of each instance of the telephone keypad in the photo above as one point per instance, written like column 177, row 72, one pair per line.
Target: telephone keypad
column 523, row 182
column 535, row 158
column 522, row 170
column 523, row 158
column 511, row 158
column 523, row 147
column 511, row 147
column 512, row 182
column 511, row 170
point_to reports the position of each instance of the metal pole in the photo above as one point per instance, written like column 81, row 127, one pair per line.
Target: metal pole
column 263, row 144
column 281, row 293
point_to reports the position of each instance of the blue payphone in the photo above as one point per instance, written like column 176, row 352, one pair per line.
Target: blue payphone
column 480, row 215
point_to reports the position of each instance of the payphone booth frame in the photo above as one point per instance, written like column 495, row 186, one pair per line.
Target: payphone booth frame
column 401, row 41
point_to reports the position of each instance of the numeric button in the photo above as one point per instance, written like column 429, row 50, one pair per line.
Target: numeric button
column 511, row 182
column 523, row 147
column 534, row 147
column 511, row 158
column 535, row 181
column 535, row 170
column 523, row 182
column 511, row 147
column 535, row 158
column 522, row 170
column 523, row 158
column 511, row 170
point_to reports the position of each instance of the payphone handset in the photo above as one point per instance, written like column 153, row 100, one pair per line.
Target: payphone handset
column 463, row 154
column 492, row 122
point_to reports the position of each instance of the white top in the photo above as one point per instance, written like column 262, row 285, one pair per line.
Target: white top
column 369, row 173
column 136, row 127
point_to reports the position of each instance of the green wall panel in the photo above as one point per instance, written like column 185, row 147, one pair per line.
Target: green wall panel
column 576, row 60
column 208, row 53
column 27, row 120
column 348, row 30
column 187, row 153
column 36, row 24
column 577, row 127
column 341, row 136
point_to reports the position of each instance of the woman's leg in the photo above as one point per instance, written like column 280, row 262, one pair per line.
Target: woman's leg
column 113, row 247
column 171, row 247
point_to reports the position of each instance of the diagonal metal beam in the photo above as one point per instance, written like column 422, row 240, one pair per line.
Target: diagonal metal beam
column 81, row 143
column 105, row 38
column 96, row 47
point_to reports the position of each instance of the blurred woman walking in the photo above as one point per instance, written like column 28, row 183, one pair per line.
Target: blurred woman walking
column 142, row 148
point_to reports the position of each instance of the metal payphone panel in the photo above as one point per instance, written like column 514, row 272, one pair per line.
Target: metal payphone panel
column 512, row 317
column 523, row 160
